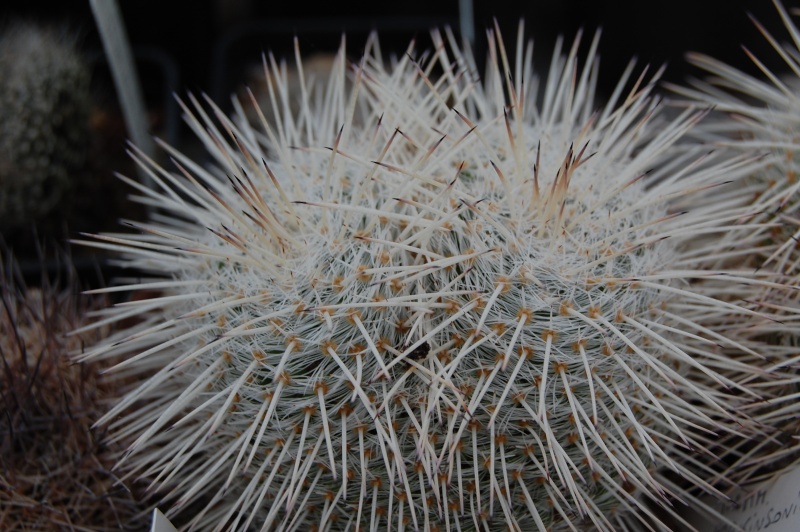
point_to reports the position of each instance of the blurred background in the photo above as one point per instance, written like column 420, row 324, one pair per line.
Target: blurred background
column 206, row 41
column 215, row 47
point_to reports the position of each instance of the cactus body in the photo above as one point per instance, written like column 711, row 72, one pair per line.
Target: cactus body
column 430, row 302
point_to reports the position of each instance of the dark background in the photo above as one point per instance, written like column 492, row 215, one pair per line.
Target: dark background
column 202, row 45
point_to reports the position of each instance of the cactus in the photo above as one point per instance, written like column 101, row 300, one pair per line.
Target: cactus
column 763, row 114
column 431, row 302
column 44, row 132
column 56, row 467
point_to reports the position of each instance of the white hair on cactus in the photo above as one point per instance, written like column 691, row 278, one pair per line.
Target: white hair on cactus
column 430, row 302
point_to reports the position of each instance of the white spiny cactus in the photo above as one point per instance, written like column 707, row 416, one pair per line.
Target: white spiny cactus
column 762, row 113
column 429, row 302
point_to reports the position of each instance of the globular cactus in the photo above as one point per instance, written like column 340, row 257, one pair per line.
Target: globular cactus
column 762, row 114
column 431, row 302
column 44, row 130
column 56, row 469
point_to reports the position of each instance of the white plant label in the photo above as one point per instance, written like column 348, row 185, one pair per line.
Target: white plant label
column 161, row 523
column 773, row 506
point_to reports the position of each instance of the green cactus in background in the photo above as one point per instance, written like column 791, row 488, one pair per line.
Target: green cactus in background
column 44, row 126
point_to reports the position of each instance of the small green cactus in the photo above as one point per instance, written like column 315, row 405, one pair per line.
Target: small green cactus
column 44, row 128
